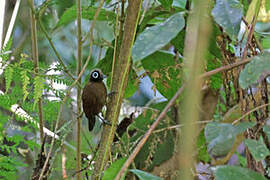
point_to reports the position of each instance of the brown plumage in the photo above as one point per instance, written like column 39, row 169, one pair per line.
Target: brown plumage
column 94, row 97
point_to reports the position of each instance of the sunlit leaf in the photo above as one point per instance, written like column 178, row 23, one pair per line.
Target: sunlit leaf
column 155, row 37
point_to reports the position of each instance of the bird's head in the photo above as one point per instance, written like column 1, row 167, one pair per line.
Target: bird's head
column 96, row 75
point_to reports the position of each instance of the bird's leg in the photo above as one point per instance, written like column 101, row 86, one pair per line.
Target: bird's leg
column 104, row 121
column 79, row 115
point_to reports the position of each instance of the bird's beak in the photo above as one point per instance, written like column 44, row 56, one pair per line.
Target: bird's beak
column 104, row 76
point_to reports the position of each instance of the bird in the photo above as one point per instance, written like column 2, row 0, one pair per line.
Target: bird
column 94, row 97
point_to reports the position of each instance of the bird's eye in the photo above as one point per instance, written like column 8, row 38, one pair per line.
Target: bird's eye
column 95, row 75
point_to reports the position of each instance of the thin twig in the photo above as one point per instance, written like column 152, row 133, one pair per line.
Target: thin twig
column 36, row 65
column 79, row 90
column 148, row 133
column 249, row 112
column 179, row 126
column 165, row 110
column 225, row 68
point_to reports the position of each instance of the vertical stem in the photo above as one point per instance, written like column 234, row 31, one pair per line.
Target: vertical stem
column 2, row 21
column 79, row 101
column 196, row 43
column 119, row 83
column 35, row 59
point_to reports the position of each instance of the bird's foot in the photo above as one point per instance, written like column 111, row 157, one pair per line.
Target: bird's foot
column 79, row 115
column 104, row 121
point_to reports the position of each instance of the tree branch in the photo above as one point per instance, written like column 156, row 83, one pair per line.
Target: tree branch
column 79, row 89
column 36, row 64
column 119, row 82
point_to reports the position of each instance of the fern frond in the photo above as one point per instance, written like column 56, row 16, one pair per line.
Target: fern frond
column 5, row 49
column 38, row 88
column 5, row 101
column 25, row 82
column 8, row 77
column 60, row 80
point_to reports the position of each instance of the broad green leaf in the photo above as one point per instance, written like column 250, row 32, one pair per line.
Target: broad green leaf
column 166, row 3
column 155, row 37
column 257, row 148
column 220, row 136
column 165, row 72
column 255, row 71
column 236, row 173
column 87, row 13
column 112, row 171
column 142, row 175
column 228, row 14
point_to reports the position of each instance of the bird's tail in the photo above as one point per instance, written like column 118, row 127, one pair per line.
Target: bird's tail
column 91, row 122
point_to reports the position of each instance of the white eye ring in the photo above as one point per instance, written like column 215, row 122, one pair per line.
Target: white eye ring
column 95, row 75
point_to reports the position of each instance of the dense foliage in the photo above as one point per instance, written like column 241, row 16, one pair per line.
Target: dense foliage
column 233, row 141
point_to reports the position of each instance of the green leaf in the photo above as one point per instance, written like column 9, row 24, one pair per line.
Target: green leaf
column 255, row 71
column 267, row 5
column 257, row 148
column 144, row 175
column 38, row 88
column 25, row 82
column 87, row 13
column 242, row 160
column 166, row 3
column 112, row 171
column 4, row 49
column 155, row 37
column 165, row 72
column 236, row 173
column 228, row 14
column 220, row 136
column 8, row 77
